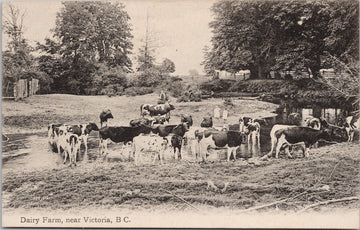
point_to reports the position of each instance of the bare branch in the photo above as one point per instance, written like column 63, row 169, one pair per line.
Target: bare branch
column 328, row 202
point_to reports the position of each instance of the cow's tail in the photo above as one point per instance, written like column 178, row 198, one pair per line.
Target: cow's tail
column 274, row 139
column 141, row 110
column 73, row 142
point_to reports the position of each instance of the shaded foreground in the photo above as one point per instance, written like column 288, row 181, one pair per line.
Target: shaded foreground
column 330, row 173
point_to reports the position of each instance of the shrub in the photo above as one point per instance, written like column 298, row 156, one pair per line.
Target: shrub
column 133, row 91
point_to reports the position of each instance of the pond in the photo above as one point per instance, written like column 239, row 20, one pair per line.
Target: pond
column 31, row 151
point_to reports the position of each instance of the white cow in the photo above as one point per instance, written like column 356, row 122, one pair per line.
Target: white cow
column 352, row 124
column 70, row 143
column 149, row 143
column 191, row 143
column 274, row 140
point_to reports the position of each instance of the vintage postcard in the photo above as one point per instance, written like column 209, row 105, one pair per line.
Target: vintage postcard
column 180, row 114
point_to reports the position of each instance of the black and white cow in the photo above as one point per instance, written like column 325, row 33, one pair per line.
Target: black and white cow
column 213, row 139
column 290, row 135
column 352, row 123
column 70, row 143
column 154, row 110
column 83, row 132
column 122, row 134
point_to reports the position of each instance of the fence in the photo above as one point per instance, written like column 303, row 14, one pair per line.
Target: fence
column 25, row 88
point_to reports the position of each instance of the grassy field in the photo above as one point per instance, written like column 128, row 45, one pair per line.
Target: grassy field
column 35, row 113
column 330, row 173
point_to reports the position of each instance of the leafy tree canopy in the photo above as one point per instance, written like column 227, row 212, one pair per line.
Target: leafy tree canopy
column 281, row 35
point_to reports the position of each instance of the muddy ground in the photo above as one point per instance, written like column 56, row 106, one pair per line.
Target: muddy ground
column 43, row 182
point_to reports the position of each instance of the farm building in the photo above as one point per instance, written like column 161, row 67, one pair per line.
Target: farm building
column 240, row 75
column 21, row 89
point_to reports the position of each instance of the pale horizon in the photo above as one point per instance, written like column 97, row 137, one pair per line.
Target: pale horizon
column 180, row 28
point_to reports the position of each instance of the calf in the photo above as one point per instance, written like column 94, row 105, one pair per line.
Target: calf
column 149, row 143
column 105, row 115
column 207, row 122
column 212, row 138
column 176, row 143
column 281, row 134
column 251, row 128
column 254, row 133
column 122, row 134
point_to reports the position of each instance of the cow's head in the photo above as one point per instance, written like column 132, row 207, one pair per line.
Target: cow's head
column 187, row 119
column 324, row 124
column 171, row 107
column 92, row 126
column 181, row 129
column 326, row 134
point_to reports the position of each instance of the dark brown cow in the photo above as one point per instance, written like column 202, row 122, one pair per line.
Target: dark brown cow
column 105, row 115
column 165, row 130
column 207, row 122
column 187, row 119
column 122, row 134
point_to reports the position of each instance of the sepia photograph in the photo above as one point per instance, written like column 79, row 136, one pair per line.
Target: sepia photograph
column 180, row 114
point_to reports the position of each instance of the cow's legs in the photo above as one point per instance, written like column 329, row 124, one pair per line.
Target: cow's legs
column 65, row 155
column 234, row 153
column 229, row 151
column 58, row 148
column 307, row 151
column 274, row 141
column 86, row 146
column 352, row 132
column 179, row 153
column 100, row 146
column 280, row 143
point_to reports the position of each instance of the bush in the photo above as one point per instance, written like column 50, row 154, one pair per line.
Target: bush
column 133, row 91
column 217, row 85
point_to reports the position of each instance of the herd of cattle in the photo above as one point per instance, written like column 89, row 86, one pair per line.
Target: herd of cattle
column 149, row 133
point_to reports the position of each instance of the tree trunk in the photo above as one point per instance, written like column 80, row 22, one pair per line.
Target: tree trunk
column 315, row 68
column 254, row 72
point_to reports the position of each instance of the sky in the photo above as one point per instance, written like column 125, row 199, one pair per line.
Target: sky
column 180, row 28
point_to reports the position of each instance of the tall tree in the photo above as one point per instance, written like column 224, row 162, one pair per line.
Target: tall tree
column 17, row 60
column 146, row 57
column 281, row 35
column 167, row 66
column 86, row 35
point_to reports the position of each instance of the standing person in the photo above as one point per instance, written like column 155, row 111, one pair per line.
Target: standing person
column 225, row 115
column 162, row 97
column 217, row 112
